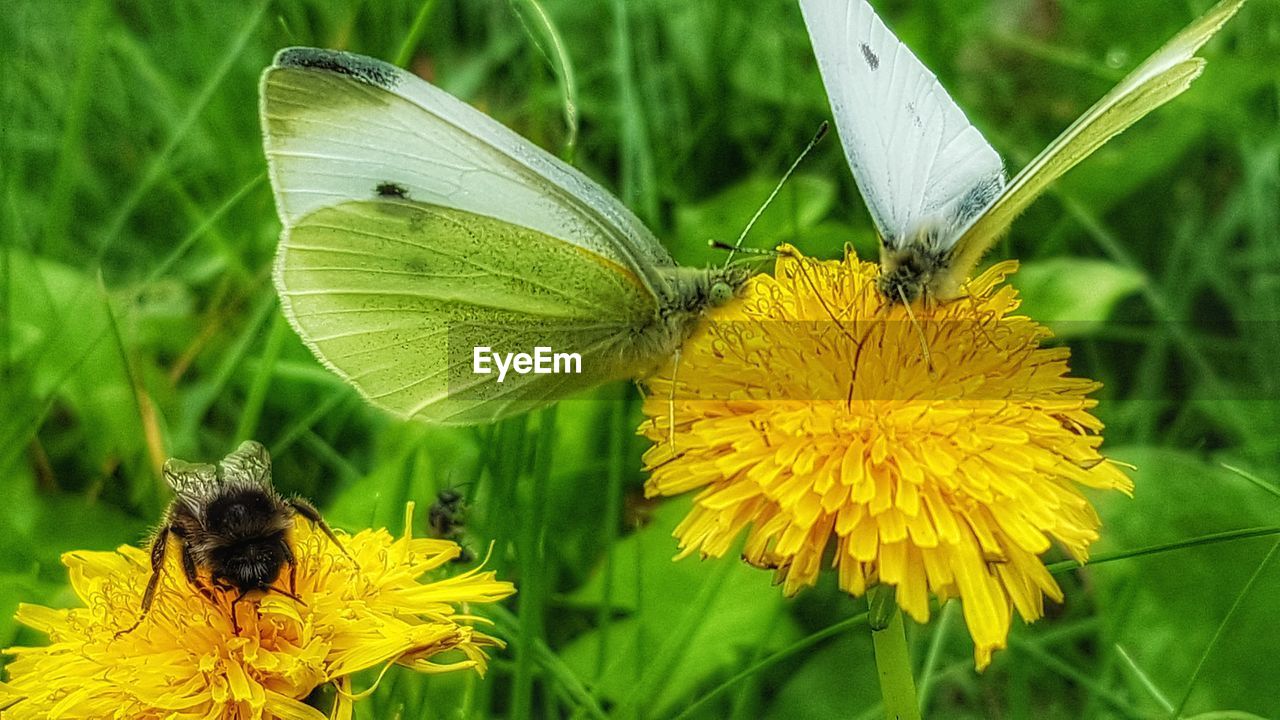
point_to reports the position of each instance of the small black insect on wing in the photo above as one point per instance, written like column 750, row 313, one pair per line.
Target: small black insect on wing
column 387, row 189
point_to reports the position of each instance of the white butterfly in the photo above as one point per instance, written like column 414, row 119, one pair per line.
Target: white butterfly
column 418, row 231
column 935, row 188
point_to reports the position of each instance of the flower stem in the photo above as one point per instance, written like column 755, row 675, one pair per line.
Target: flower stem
column 893, row 663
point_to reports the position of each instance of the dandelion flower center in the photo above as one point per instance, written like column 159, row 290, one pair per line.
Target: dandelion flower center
column 936, row 448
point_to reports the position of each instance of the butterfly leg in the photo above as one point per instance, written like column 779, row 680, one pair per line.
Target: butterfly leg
column 671, row 404
column 924, row 341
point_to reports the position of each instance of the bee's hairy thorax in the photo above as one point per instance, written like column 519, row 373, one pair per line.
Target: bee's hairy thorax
column 239, row 535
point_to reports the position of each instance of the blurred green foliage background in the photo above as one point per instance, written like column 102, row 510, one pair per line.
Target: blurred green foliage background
column 138, row 322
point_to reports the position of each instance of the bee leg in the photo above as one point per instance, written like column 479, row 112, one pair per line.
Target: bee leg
column 308, row 511
column 225, row 586
column 235, row 621
column 286, row 593
column 158, row 548
column 292, row 592
column 159, row 545
column 219, row 584
column 189, row 570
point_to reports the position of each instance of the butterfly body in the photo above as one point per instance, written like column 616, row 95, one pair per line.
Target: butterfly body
column 918, row 264
column 692, row 291
column 913, row 271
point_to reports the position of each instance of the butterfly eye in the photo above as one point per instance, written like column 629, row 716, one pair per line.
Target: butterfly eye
column 720, row 293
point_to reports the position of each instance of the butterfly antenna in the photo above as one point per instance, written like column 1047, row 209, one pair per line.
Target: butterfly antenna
column 722, row 245
column 737, row 246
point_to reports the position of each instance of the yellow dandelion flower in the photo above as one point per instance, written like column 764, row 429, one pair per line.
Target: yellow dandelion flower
column 942, row 453
column 185, row 661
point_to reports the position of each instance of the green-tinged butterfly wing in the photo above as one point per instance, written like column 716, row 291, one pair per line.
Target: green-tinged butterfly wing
column 1159, row 79
column 416, row 229
column 338, row 126
column 396, row 295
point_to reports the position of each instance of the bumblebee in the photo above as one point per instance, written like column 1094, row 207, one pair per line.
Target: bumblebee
column 230, row 522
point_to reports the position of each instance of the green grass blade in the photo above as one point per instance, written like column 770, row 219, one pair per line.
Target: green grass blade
column 414, row 36
column 533, row 564
column 1209, row 539
column 929, row 671
column 1256, row 481
column 89, row 34
column 557, row 55
column 251, row 412
column 773, row 659
column 1222, row 626
column 619, row 433
column 550, row 663
column 186, row 243
column 1144, row 680
column 669, row 654
column 1076, row 676
column 637, row 171
column 203, row 397
column 159, row 162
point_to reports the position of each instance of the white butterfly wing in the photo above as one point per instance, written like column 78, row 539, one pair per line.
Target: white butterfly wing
column 918, row 161
column 417, row 229
column 1159, row 79
column 386, row 132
